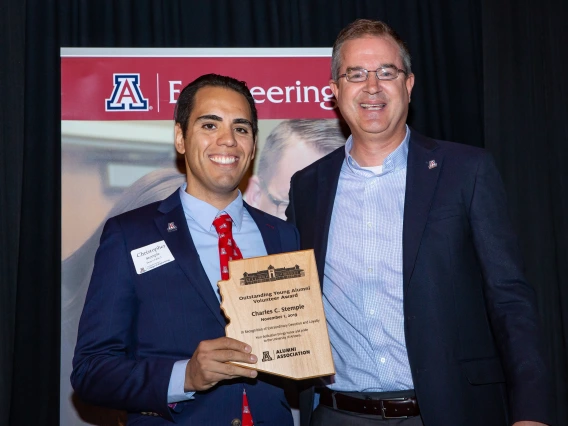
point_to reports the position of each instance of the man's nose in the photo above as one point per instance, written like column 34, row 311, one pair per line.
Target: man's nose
column 373, row 84
column 227, row 137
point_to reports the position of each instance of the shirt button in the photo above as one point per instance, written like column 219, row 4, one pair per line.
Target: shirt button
column 369, row 224
column 236, row 422
column 370, row 270
column 372, row 312
column 383, row 360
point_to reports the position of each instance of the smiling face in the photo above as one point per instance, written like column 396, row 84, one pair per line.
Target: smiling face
column 375, row 110
column 218, row 145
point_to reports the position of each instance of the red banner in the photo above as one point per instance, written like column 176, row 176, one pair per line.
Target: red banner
column 146, row 88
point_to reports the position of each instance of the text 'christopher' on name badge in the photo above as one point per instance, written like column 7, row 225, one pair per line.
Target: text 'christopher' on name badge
column 151, row 256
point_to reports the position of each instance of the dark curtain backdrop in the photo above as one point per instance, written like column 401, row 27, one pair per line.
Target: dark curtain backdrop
column 487, row 74
column 525, row 64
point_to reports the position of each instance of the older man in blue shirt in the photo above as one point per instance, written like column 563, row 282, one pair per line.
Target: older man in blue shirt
column 430, row 318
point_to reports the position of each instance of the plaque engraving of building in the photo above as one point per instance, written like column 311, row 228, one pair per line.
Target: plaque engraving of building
column 271, row 274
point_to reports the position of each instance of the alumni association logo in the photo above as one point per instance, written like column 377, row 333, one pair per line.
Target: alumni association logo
column 126, row 95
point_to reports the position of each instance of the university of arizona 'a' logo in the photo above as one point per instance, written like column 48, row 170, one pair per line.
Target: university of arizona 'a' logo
column 126, row 95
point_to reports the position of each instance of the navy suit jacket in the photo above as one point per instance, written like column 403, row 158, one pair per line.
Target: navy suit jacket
column 471, row 322
column 135, row 327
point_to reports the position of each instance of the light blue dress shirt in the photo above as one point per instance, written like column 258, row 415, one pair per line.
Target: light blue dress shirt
column 199, row 216
column 363, row 281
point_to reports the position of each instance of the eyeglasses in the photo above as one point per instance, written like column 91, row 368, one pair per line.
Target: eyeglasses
column 358, row 75
column 279, row 204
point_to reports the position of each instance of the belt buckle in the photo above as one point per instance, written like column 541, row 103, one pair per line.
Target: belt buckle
column 384, row 410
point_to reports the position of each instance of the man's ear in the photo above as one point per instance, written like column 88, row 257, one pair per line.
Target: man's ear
column 253, row 192
column 179, row 139
column 409, row 85
column 333, row 87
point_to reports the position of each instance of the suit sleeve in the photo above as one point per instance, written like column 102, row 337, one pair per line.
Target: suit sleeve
column 105, row 369
column 306, row 389
column 511, row 302
column 296, row 239
column 290, row 213
column 290, row 237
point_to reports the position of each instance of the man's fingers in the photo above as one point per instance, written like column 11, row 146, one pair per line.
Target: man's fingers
column 224, row 349
column 218, row 371
column 235, row 356
column 226, row 343
column 232, row 371
column 228, row 372
column 208, row 361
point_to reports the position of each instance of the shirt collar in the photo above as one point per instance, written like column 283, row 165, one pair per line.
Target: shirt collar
column 204, row 213
column 395, row 160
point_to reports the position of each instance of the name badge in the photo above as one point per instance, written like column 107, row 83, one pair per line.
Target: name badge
column 151, row 256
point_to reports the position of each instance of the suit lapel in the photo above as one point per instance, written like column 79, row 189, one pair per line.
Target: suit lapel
column 423, row 170
column 328, row 178
column 268, row 230
column 183, row 249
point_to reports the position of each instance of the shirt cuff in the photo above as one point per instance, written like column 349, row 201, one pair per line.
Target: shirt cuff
column 177, row 383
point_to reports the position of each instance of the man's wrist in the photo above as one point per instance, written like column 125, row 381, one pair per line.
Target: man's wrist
column 177, row 387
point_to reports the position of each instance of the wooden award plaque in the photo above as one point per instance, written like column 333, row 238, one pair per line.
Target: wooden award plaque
column 273, row 303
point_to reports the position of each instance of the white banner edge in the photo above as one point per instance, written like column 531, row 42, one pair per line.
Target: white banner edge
column 67, row 52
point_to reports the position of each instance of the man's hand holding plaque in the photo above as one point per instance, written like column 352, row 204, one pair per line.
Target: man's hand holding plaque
column 210, row 363
column 273, row 303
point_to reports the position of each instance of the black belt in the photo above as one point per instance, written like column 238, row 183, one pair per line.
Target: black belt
column 388, row 408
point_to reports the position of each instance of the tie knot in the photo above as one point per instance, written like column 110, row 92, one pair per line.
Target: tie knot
column 223, row 224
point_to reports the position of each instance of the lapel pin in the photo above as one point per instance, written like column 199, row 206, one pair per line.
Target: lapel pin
column 172, row 227
column 432, row 164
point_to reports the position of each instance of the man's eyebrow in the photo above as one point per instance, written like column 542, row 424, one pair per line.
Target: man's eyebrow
column 214, row 117
column 358, row 67
column 242, row 121
column 209, row 117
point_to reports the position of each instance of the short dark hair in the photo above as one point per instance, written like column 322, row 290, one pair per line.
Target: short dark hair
column 323, row 136
column 365, row 28
column 186, row 100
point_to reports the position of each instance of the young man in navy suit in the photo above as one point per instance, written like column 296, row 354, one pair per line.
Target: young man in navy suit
column 151, row 336
column 430, row 318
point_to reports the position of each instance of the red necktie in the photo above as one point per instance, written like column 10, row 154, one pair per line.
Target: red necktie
column 247, row 417
column 228, row 249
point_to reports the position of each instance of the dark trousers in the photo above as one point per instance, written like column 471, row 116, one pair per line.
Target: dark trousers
column 328, row 416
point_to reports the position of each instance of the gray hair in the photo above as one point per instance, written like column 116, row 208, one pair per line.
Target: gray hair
column 365, row 28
